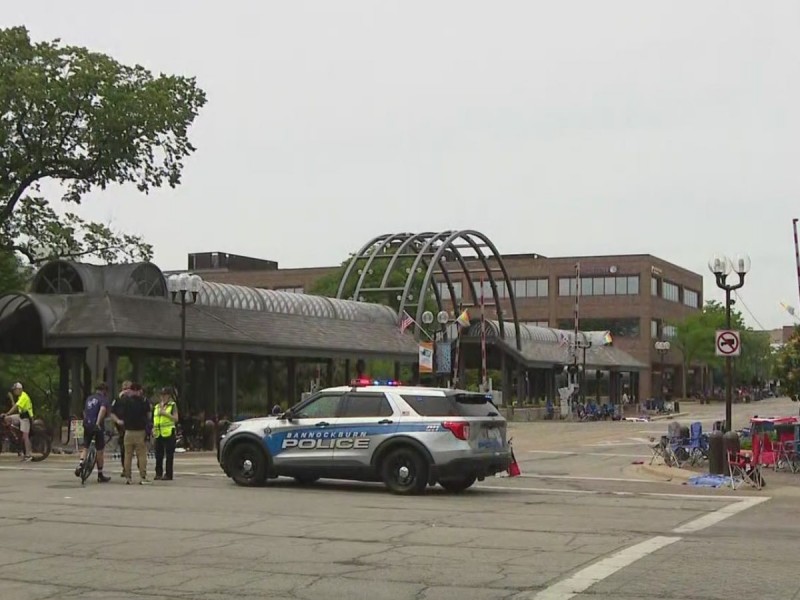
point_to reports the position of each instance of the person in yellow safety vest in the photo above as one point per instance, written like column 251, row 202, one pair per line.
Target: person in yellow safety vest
column 165, row 418
column 21, row 415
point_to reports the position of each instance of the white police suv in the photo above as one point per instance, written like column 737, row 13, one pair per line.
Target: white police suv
column 407, row 437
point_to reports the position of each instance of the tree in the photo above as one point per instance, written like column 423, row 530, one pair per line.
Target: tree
column 695, row 335
column 787, row 365
column 85, row 121
column 12, row 272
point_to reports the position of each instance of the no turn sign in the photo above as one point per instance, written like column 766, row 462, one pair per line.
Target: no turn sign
column 728, row 343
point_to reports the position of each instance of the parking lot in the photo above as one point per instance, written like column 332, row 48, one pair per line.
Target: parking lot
column 577, row 522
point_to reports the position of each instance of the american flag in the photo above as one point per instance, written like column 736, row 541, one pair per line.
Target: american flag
column 405, row 322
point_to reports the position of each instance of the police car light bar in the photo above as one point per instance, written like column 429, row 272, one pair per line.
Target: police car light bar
column 363, row 382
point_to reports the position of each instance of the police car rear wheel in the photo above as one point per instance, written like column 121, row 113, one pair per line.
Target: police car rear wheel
column 404, row 471
column 457, row 484
column 247, row 465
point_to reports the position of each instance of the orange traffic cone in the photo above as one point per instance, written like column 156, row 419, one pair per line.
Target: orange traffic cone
column 513, row 467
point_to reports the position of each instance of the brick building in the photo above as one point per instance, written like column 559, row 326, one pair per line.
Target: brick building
column 638, row 298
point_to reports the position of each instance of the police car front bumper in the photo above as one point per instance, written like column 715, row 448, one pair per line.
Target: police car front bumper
column 479, row 466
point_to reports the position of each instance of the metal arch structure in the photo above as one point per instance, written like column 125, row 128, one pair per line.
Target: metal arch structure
column 429, row 251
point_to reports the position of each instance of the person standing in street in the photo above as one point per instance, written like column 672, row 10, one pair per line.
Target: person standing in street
column 116, row 411
column 134, row 415
column 21, row 415
column 165, row 418
column 95, row 410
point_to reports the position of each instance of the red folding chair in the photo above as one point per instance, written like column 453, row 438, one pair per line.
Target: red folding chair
column 743, row 470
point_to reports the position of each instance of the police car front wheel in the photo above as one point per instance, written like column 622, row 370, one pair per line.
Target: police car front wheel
column 247, row 464
column 405, row 471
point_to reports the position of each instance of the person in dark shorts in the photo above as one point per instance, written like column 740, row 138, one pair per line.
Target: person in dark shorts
column 95, row 410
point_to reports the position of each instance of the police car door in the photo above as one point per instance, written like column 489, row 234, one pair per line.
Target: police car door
column 307, row 440
column 368, row 418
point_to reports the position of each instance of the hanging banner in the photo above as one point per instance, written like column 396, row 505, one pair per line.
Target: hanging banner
column 444, row 359
column 426, row 357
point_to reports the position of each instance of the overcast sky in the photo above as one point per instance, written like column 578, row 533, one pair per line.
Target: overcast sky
column 562, row 128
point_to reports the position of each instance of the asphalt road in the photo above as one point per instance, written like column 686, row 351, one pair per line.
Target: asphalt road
column 575, row 523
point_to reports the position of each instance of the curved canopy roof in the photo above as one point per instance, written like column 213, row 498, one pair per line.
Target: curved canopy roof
column 543, row 346
column 225, row 295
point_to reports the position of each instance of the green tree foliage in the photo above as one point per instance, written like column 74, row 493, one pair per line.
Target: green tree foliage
column 12, row 273
column 787, row 365
column 695, row 338
column 85, row 121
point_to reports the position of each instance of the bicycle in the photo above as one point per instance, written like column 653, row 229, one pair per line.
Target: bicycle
column 89, row 462
column 11, row 440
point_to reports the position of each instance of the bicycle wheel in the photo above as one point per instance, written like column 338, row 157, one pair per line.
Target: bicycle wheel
column 88, row 463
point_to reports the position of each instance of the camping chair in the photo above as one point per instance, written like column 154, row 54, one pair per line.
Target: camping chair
column 695, row 449
column 742, row 470
column 664, row 450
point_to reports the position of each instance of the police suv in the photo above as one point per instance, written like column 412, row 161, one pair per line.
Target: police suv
column 407, row 437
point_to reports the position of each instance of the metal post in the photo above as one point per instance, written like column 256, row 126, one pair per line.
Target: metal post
column 728, row 367
column 661, row 378
column 182, row 393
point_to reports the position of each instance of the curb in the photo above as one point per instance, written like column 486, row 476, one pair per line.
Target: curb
column 669, row 417
column 662, row 471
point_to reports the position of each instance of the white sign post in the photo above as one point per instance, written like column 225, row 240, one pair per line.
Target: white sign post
column 728, row 343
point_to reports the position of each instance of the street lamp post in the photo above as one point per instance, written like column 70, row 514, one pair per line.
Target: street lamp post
column 721, row 267
column 443, row 319
column 183, row 289
column 662, row 348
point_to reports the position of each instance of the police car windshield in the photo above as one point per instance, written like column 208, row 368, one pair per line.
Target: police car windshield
column 452, row 405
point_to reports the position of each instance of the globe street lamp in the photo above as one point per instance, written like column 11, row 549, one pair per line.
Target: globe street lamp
column 183, row 289
column 662, row 348
column 721, row 267
column 442, row 318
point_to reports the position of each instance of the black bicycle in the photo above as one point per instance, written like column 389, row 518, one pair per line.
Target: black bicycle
column 89, row 462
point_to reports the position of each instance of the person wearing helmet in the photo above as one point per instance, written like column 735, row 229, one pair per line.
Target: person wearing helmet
column 21, row 415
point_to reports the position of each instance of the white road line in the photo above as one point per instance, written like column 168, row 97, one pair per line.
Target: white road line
column 721, row 514
column 587, row 577
column 587, row 478
column 565, row 453
column 534, row 489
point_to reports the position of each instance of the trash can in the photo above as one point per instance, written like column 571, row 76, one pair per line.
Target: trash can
column 715, row 453
column 730, row 443
column 676, row 406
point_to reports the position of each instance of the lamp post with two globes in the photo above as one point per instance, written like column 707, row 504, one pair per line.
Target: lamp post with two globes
column 183, row 289
column 721, row 267
column 442, row 318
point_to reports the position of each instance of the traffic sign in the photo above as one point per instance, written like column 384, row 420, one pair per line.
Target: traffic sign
column 728, row 343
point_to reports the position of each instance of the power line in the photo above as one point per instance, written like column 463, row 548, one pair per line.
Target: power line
column 747, row 308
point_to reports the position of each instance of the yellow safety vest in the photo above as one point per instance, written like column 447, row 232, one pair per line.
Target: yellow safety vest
column 163, row 426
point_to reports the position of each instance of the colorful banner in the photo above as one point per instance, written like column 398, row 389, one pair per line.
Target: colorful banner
column 444, row 359
column 426, row 357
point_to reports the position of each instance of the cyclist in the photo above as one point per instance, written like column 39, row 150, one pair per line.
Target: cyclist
column 21, row 415
column 94, row 415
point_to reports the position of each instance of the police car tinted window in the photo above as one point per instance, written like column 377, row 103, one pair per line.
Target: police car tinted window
column 360, row 404
column 324, row 407
column 432, row 406
column 453, row 405
column 475, row 405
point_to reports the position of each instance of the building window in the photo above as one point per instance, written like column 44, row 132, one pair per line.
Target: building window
column 291, row 290
column 691, row 298
column 625, row 327
column 444, row 291
column 653, row 328
column 670, row 291
column 488, row 294
column 531, row 288
column 654, row 286
column 536, row 323
column 670, row 331
column 623, row 285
